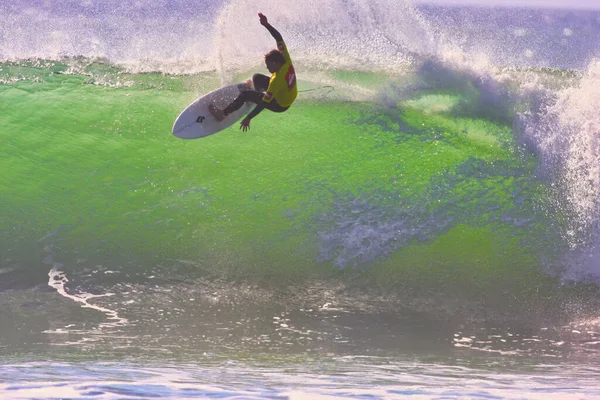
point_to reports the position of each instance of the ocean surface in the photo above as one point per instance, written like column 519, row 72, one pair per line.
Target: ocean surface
column 423, row 223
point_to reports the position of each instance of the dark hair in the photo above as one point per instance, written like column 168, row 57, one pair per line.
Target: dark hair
column 275, row 56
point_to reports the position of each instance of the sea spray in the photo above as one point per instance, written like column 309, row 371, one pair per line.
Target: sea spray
column 565, row 133
column 377, row 35
column 142, row 37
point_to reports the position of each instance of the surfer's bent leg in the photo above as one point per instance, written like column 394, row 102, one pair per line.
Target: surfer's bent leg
column 246, row 95
column 256, row 98
column 275, row 107
column 261, row 82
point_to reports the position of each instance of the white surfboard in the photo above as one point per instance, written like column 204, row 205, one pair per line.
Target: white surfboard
column 196, row 121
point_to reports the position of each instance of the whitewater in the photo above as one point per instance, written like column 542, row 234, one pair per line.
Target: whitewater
column 424, row 221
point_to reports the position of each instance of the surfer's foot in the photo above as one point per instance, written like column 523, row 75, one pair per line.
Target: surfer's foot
column 218, row 114
column 244, row 86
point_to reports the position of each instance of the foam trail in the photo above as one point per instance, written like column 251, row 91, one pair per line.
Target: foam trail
column 58, row 280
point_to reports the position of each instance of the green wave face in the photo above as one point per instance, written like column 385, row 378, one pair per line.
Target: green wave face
column 415, row 190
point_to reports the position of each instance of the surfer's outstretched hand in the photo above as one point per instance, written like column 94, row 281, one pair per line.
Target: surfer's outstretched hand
column 263, row 19
column 245, row 124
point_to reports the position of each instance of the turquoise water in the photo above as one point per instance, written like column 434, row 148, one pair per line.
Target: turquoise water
column 385, row 192
column 421, row 223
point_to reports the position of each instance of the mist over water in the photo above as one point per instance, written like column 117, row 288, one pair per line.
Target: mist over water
column 173, row 37
column 377, row 35
column 185, row 36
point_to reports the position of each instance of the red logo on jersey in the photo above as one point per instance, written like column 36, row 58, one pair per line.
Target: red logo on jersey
column 290, row 77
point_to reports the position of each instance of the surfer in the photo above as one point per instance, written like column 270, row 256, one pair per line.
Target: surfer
column 276, row 93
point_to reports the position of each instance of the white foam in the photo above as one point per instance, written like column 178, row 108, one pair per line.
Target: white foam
column 566, row 134
column 58, row 280
column 166, row 43
column 340, row 33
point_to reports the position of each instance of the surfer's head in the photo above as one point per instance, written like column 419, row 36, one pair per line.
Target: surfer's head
column 274, row 60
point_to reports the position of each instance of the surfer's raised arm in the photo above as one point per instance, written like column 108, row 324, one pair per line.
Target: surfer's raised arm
column 275, row 93
column 264, row 22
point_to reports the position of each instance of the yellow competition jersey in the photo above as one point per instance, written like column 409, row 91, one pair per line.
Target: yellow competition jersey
column 282, row 86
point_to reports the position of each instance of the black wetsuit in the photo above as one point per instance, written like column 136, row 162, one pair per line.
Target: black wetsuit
column 261, row 83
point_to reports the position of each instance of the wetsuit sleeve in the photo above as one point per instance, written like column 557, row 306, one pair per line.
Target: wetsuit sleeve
column 259, row 107
column 275, row 33
column 283, row 49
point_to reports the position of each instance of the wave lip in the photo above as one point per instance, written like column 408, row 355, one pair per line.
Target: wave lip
column 564, row 131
